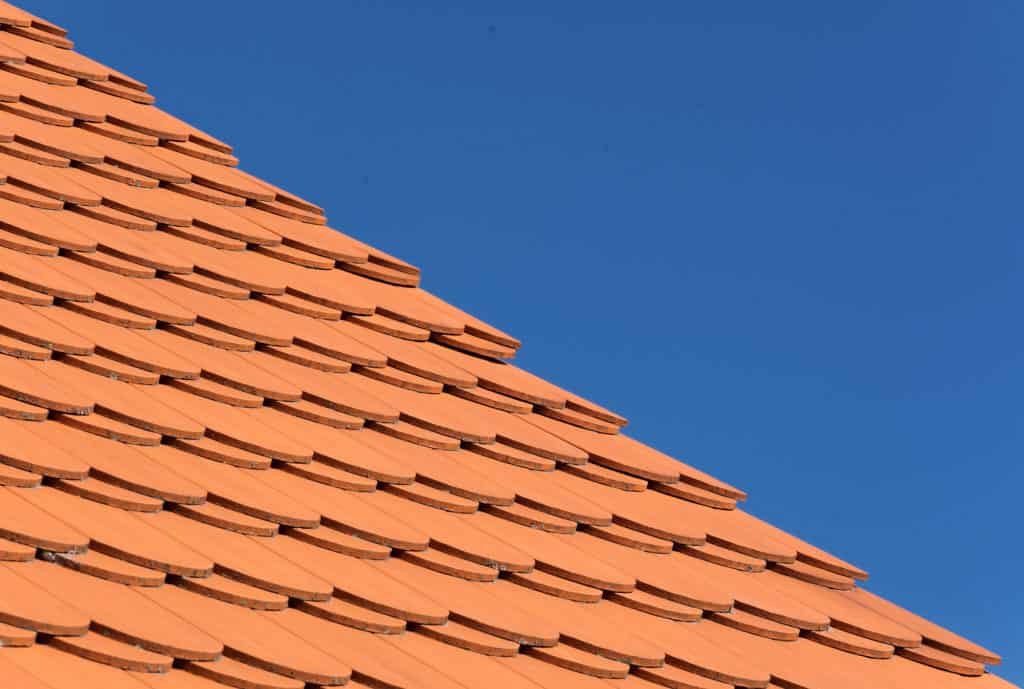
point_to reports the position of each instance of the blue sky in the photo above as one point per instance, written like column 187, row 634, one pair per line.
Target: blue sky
column 784, row 239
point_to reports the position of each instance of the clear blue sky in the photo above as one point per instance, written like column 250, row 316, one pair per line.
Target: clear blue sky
column 783, row 238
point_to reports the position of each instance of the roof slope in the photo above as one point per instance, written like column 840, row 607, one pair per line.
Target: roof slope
column 239, row 448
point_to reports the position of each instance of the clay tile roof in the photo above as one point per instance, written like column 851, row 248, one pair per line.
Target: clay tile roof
column 239, row 448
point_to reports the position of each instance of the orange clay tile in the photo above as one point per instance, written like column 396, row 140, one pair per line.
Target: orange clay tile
column 234, row 592
column 24, row 604
column 238, row 438
column 529, row 517
column 120, row 464
column 28, row 381
column 657, row 605
column 111, row 568
column 109, row 494
column 452, row 565
column 102, row 649
column 228, row 672
column 339, row 542
column 228, row 519
column 352, row 615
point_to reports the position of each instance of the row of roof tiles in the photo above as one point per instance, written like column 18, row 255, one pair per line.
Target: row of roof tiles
column 242, row 449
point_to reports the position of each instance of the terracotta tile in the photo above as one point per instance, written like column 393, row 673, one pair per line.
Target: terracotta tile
column 56, row 668
column 687, row 648
column 535, row 491
column 557, row 586
column 402, row 379
column 111, row 314
column 235, row 488
column 228, row 519
column 138, row 296
column 814, row 575
column 658, row 606
column 229, row 672
column 234, row 592
column 660, row 575
column 239, row 370
column 461, row 535
column 357, row 581
column 579, row 420
column 113, row 131
column 491, row 399
column 503, row 378
column 581, row 661
column 389, row 326
column 501, row 452
column 20, row 411
column 120, row 464
column 338, row 542
column 18, row 478
column 375, row 271
column 14, row 16
column 125, row 535
column 452, row 565
column 303, row 307
column 19, row 149
column 725, row 557
column 676, row 678
column 531, row 518
column 288, row 211
column 851, row 643
column 42, row 35
column 22, row 522
column 844, row 613
column 113, row 569
column 211, row 336
column 239, row 427
column 241, row 557
column 204, row 387
column 130, row 404
column 470, row 639
column 326, row 474
column 24, row 604
column 933, row 634
column 375, row 663
column 17, row 242
column 102, row 649
column 416, row 435
column 16, row 637
column 114, row 89
column 15, row 552
column 756, row 624
column 439, row 469
column 62, row 142
column 348, row 512
column 254, row 637
column 24, row 449
column 605, row 476
column 28, row 324
column 30, row 382
column 42, row 275
column 106, row 427
column 549, row 675
column 466, row 667
column 109, row 494
column 432, row 497
column 221, row 452
column 214, row 176
column 316, row 240
column 695, row 494
column 481, row 606
column 318, row 413
column 352, row 615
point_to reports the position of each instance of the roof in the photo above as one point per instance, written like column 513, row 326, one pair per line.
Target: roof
column 239, row 448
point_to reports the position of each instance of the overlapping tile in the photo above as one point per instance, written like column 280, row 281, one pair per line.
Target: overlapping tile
column 212, row 404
